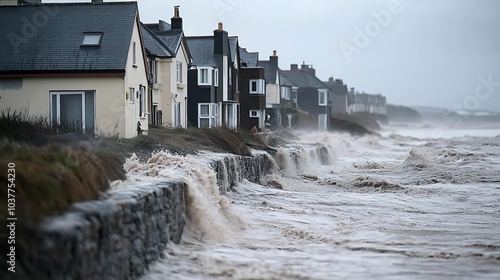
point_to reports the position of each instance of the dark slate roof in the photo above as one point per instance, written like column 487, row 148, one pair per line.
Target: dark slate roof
column 270, row 70
column 170, row 38
column 304, row 79
column 251, row 59
column 285, row 81
column 56, row 45
column 153, row 44
column 202, row 50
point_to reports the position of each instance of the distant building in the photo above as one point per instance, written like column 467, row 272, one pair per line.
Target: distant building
column 339, row 96
column 312, row 94
column 273, row 98
column 367, row 103
column 252, row 92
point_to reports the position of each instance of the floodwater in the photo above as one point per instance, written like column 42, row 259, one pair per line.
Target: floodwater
column 414, row 203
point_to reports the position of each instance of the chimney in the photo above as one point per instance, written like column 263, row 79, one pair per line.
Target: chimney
column 307, row 68
column 330, row 80
column 273, row 60
column 294, row 67
column 352, row 90
column 176, row 20
column 221, row 40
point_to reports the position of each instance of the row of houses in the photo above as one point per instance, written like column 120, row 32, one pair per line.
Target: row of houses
column 97, row 66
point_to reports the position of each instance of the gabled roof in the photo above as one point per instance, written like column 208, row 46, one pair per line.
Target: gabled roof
column 170, row 38
column 202, row 50
column 285, row 81
column 251, row 59
column 56, row 46
column 271, row 70
column 154, row 46
column 303, row 79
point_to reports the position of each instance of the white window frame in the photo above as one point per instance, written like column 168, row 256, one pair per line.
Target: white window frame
column 216, row 77
column 58, row 105
column 285, row 93
column 154, row 71
column 254, row 114
column 323, row 93
column 179, row 72
column 212, row 115
column 201, row 80
column 134, row 54
column 92, row 39
column 131, row 99
column 142, row 96
column 260, row 86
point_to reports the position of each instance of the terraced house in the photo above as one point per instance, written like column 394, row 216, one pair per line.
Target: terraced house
column 169, row 60
column 78, row 64
column 213, row 93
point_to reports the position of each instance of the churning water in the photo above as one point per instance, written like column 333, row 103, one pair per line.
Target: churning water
column 407, row 205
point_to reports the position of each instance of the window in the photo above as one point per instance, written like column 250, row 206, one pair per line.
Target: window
column 231, row 116
column 322, row 98
column 92, row 39
column 131, row 92
column 134, row 55
column 254, row 113
column 207, row 115
column 285, row 93
column 205, row 76
column 154, row 71
column 179, row 72
column 73, row 111
column 216, row 77
column 257, row 86
column 322, row 122
column 142, row 101
column 177, row 115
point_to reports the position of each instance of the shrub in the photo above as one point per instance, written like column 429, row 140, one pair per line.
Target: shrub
column 48, row 180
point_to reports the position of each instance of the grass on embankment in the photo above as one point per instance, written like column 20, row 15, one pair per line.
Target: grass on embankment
column 54, row 170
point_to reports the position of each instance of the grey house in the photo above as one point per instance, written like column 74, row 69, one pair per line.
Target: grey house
column 312, row 94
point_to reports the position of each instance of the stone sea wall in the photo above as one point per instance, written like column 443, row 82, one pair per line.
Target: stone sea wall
column 119, row 236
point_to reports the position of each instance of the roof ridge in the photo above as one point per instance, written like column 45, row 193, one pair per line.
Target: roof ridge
column 158, row 39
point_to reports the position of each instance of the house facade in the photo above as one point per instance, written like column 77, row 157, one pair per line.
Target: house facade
column 312, row 95
column 273, row 95
column 252, row 89
column 338, row 96
column 87, row 70
column 288, row 92
column 168, row 60
column 213, row 97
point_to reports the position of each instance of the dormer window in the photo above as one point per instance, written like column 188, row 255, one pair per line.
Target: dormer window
column 92, row 39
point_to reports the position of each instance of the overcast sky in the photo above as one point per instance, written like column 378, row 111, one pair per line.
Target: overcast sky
column 415, row 52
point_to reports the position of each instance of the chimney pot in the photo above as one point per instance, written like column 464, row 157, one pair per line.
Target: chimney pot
column 220, row 26
column 176, row 11
column 274, row 53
